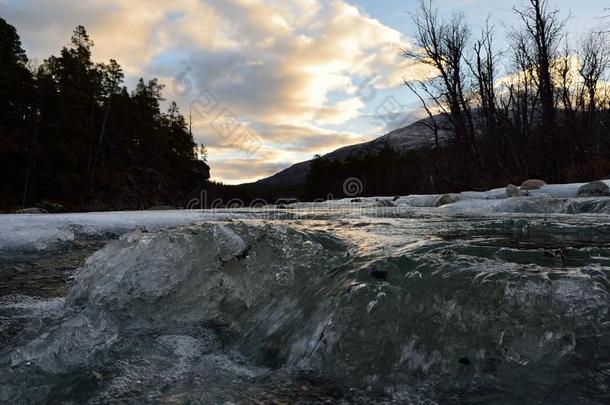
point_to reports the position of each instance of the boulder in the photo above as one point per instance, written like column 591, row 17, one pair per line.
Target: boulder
column 532, row 184
column 52, row 207
column 446, row 199
column 384, row 203
column 594, row 189
column 356, row 200
column 33, row 210
column 514, row 191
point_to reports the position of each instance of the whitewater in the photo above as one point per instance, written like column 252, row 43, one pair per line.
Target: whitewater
column 488, row 299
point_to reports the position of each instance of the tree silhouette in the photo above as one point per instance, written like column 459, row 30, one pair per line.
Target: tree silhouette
column 71, row 133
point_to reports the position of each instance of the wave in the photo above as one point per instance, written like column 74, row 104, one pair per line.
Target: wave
column 224, row 309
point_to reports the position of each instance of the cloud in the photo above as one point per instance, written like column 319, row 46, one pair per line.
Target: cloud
column 309, row 138
column 236, row 171
column 280, row 67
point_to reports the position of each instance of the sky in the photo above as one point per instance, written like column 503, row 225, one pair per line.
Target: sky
column 268, row 83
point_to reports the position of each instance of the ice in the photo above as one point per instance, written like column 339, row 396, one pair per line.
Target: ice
column 559, row 190
column 551, row 198
column 418, row 200
column 71, row 344
column 537, row 205
column 21, row 236
column 341, row 203
column 180, row 276
column 40, row 232
column 494, row 194
column 30, row 306
column 532, row 205
column 47, row 232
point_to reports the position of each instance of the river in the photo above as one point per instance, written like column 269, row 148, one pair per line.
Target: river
column 374, row 305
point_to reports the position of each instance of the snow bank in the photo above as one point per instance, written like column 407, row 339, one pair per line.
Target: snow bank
column 362, row 202
column 560, row 190
column 526, row 205
column 418, row 200
column 40, row 232
column 551, row 198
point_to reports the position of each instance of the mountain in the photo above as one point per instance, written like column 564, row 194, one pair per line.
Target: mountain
column 417, row 135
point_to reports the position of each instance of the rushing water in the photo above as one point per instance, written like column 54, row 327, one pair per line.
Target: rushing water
column 378, row 306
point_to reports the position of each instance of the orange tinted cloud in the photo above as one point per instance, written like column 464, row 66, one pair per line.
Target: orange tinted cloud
column 279, row 66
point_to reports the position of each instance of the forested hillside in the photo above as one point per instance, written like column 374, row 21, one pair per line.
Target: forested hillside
column 72, row 133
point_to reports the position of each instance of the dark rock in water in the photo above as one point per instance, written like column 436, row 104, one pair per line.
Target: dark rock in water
column 594, row 189
column 378, row 270
column 464, row 361
column 33, row 210
column 51, row 207
column 379, row 274
column 532, row 184
column 446, row 199
column 396, row 198
column 555, row 254
column 356, row 200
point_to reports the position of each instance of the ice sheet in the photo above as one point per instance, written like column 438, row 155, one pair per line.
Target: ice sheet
column 37, row 232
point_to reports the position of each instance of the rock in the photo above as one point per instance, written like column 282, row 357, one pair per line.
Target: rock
column 384, row 203
column 594, row 189
column 32, row 211
column 514, row 191
column 51, row 207
column 379, row 274
column 161, row 208
column 532, row 184
column 377, row 270
column 356, row 200
column 396, row 198
column 446, row 199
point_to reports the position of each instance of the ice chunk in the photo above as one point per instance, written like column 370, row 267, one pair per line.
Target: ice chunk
column 180, row 276
column 35, row 238
column 52, row 231
column 418, row 200
column 69, row 345
column 536, row 205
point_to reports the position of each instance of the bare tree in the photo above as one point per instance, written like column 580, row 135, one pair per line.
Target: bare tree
column 548, row 116
column 484, row 70
column 545, row 30
column 594, row 63
column 567, row 88
column 595, row 60
column 523, row 89
column 441, row 44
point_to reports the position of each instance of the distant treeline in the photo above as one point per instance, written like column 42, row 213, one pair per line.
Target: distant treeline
column 71, row 133
column 538, row 109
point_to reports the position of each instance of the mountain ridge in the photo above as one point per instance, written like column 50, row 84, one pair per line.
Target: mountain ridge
column 417, row 135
